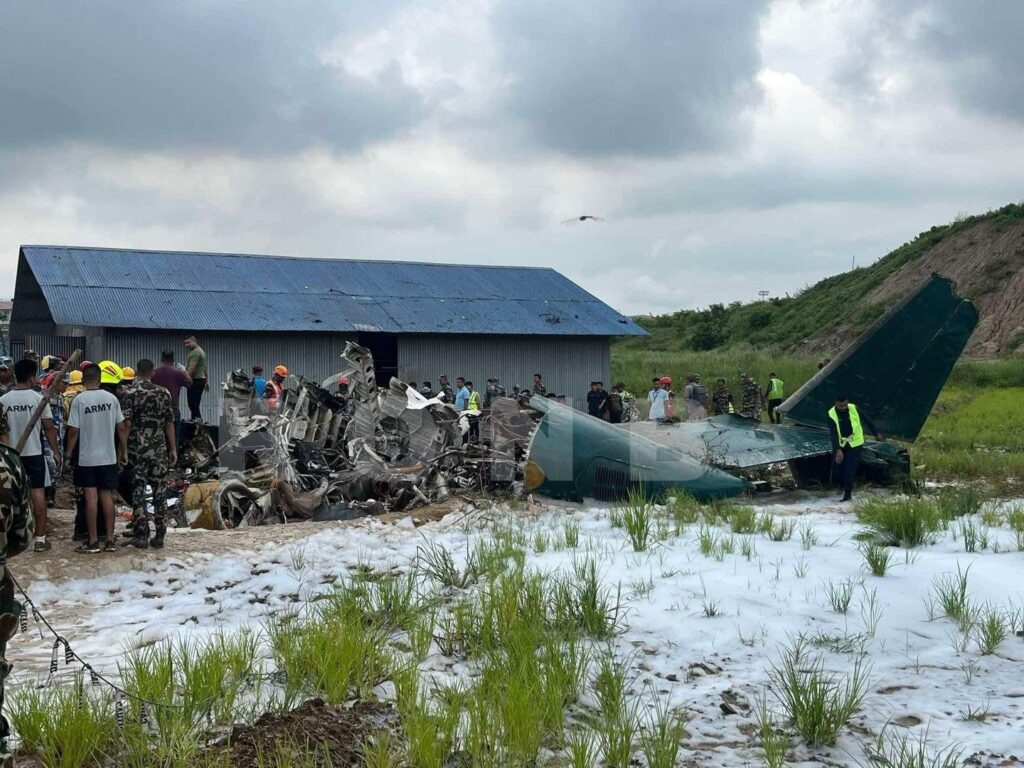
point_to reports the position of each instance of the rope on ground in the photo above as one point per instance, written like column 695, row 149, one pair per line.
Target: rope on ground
column 95, row 677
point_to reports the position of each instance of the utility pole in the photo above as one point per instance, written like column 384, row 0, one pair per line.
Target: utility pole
column 763, row 295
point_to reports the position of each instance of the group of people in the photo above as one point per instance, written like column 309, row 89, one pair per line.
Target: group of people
column 611, row 406
column 116, row 428
column 699, row 403
column 465, row 395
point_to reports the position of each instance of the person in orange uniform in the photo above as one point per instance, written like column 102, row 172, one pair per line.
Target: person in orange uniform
column 275, row 388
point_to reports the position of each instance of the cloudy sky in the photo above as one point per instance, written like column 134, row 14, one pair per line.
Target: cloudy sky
column 732, row 146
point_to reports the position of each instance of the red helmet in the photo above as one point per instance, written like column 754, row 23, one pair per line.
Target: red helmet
column 343, row 380
column 83, row 365
column 666, row 379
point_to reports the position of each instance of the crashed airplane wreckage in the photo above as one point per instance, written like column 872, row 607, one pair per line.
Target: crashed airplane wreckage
column 361, row 450
column 365, row 450
column 894, row 372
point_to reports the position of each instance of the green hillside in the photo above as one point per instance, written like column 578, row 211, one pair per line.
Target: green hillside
column 785, row 323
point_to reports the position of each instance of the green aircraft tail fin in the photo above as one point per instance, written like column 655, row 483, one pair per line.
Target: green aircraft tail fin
column 896, row 369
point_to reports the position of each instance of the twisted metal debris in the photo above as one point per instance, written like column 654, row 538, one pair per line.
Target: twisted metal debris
column 358, row 450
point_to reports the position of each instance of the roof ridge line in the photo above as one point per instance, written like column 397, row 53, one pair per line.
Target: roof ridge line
column 269, row 256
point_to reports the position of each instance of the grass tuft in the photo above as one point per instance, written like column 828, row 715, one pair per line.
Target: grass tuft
column 991, row 629
column 899, row 750
column 774, row 741
column 818, row 703
column 839, row 595
column 637, row 514
column 898, row 522
column 662, row 736
column 951, row 593
column 742, row 519
column 877, row 558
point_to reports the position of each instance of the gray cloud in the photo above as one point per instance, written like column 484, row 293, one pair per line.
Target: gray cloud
column 981, row 46
column 190, row 73
column 630, row 78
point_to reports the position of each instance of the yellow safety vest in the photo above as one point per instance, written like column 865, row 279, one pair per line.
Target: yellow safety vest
column 775, row 393
column 856, row 439
column 474, row 401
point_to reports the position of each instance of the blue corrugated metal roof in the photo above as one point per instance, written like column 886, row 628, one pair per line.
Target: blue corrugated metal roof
column 118, row 288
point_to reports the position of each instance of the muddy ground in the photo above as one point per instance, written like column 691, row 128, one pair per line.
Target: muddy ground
column 62, row 563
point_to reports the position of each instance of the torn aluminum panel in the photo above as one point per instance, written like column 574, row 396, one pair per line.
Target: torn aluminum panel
column 426, row 427
column 362, row 393
column 508, row 429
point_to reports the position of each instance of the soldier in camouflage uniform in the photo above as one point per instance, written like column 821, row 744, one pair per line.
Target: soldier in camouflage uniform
column 6, row 375
column 721, row 398
column 151, row 451
column 16, row 529
column 445, row 391
column 753, row 399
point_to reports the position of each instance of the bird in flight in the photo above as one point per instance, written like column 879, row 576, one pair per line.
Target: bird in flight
column 584, row 217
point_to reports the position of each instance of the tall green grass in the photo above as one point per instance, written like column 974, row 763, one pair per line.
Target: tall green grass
column 899, row 521
column 64, row 726
column 635, row 367
column 818, row 703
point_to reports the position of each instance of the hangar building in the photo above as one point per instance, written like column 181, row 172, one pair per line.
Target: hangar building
column 420, row 320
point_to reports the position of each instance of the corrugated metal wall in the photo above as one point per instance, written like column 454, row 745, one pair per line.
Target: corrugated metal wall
column 567, row 364
column 313, row 355
column 31, row 314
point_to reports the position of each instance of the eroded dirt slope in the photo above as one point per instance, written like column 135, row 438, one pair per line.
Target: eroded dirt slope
column 987, row 263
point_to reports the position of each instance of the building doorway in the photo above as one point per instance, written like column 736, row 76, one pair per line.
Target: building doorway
column 384, row 348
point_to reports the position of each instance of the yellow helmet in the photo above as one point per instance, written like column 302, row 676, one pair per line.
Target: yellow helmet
column 127, row 373
column 110, row 372
column 76, row 377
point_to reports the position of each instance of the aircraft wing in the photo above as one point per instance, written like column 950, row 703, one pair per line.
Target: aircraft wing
column 732, row 442
column 735, row 443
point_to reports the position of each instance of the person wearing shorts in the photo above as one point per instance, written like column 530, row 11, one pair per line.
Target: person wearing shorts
column 97, row 427
column 17, row 406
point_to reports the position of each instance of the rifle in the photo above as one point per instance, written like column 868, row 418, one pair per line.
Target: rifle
column 37, row 414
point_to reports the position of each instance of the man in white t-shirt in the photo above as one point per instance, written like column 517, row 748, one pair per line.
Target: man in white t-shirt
column 18, row 406
column 97, row 427
column 657, row 397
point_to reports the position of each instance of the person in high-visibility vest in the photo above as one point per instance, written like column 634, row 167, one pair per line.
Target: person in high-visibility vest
column 846, row 428
column 473, row 407
column 774, row 397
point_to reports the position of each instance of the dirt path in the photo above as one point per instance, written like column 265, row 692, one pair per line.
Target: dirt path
column 62, row 563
